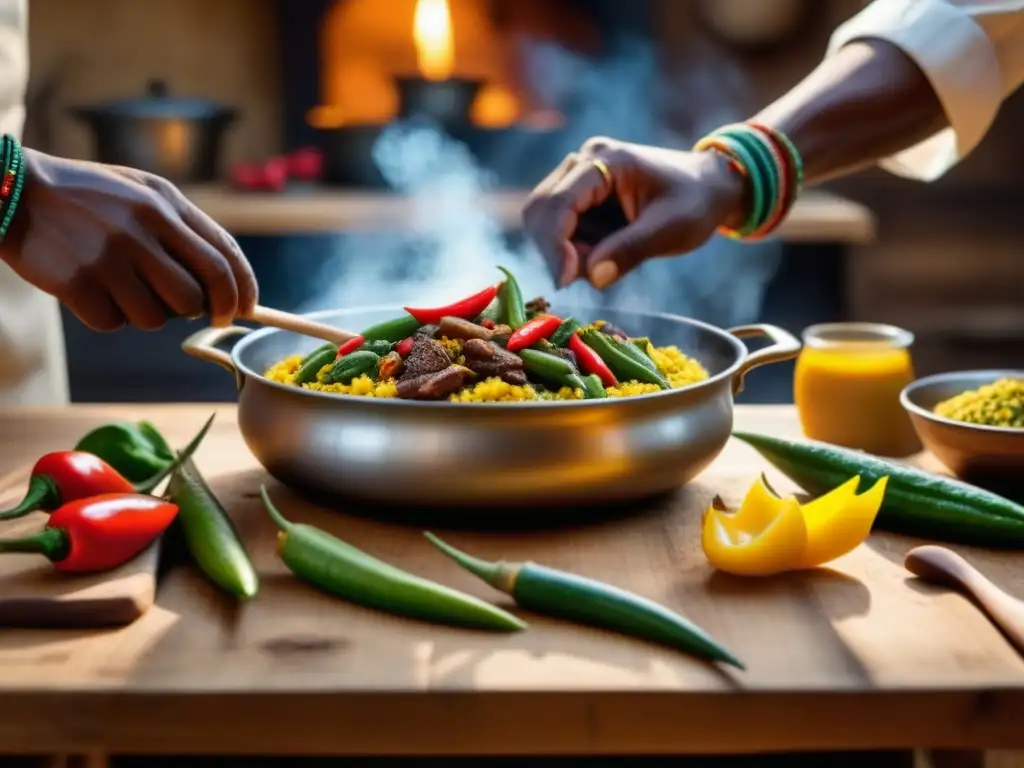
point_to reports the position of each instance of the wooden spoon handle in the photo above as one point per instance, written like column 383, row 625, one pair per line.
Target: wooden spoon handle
column 298, row 324
column 939, row 565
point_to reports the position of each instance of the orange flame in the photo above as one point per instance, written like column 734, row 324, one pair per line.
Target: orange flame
column 432, row 33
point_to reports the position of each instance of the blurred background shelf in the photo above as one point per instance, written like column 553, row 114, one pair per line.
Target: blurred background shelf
column 819, row 217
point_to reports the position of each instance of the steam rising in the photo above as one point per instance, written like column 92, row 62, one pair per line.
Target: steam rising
column 452, row 245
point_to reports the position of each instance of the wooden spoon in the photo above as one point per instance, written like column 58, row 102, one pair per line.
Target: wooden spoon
column 297, row 324
column 939, row 565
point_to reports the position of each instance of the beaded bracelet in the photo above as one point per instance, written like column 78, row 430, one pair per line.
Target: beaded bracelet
column 773, row 170
column 13, row 165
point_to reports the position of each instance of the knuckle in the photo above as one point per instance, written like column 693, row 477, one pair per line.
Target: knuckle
column 598, row 144
column 562, row 200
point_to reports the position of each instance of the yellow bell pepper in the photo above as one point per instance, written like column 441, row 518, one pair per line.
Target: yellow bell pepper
column 769, row 534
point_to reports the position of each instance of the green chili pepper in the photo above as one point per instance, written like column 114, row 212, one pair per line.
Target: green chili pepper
column 313, row 363
column 209, row 534
column 625, row 367
column 339, row 568
column 557, row 593
column 562, row 334
column 512, row 296
column 393, row 330
column 137, row 451
column 593, row 388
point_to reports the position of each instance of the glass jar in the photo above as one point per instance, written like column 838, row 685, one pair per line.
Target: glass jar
column 847, row 387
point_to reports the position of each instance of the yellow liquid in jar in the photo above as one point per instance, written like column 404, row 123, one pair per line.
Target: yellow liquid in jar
column 849, row 395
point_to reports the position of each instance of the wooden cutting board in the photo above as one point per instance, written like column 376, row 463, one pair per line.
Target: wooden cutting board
column 34, row 594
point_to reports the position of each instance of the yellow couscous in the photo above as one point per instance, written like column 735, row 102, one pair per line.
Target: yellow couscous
column 491, row 347
column 1000, row 404
column 680, row 370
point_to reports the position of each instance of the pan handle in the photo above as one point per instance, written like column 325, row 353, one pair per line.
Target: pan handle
column 203, row 344
column 785, row 346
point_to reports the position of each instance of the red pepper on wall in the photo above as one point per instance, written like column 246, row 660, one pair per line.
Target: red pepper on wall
column 99, row 533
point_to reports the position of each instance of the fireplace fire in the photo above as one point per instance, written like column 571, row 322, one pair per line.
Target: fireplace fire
column 443, row 58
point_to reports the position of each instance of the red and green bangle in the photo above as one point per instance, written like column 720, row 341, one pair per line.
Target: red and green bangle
column 12, row 163
column 773, row 170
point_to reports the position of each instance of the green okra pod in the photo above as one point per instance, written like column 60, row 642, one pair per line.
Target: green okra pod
column 623, row 365
column 347, row 572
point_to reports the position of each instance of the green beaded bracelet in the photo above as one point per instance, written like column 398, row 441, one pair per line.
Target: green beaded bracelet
column 13, row 168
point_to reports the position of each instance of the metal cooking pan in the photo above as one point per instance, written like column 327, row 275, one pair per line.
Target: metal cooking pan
column 441, row 454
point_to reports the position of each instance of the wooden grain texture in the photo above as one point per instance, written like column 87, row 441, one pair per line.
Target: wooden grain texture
column 851, row 657
column 34, row 594
column 818, row 217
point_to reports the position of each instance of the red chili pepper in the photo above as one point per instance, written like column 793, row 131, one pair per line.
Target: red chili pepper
column 64, row 476
column 467, row 308
column 532, row 331
column 350, row 346
column 98, row 534
column 404, row 347
column 591, row 362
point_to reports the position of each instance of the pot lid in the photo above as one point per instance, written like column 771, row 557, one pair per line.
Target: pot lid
column 158, row 103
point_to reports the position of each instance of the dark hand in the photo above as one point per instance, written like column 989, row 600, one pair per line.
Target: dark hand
column 673, row 200
column 118, row 245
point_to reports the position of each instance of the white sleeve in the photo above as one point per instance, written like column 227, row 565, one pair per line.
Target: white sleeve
column 972, row 52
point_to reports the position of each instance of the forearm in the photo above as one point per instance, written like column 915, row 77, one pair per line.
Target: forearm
column 866, row 103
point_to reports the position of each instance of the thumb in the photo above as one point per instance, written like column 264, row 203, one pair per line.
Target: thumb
column 625, row 249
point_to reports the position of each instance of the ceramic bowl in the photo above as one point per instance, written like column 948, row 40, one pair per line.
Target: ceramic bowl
column 990, row 457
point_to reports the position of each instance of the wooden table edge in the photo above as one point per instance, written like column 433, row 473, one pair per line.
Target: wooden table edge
column 437, row 722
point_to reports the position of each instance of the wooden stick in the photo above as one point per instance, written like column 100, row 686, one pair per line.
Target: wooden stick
column 298, row 324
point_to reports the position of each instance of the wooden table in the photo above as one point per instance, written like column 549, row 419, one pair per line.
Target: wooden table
column 818, row 217
column 854, row 657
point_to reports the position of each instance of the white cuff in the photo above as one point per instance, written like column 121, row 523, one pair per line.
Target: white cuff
column 959, row 60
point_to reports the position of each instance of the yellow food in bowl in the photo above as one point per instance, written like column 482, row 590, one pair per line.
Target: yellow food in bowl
column 1000, row 404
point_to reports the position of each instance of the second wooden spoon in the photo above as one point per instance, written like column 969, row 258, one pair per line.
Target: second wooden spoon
column 939, row 565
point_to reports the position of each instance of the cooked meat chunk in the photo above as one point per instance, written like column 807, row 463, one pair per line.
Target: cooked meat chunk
column 433, row 386
column 457, row 328
column 537, row 306
column 426, row 356
column 486, row 359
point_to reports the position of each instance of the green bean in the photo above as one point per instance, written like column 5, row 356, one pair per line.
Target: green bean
column 318, row 350
column 642, row 343
column 347, row 572
column 314, row 362
column 515, row 307
column 393, row 330
column 566, row 595
column 623, row 366
column 209, row 534
column 351, row 366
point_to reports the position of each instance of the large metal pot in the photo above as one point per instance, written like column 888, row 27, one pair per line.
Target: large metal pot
column 177, row 138
column 463, row 455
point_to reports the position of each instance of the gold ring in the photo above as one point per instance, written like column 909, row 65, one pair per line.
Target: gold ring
column 602, row 168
